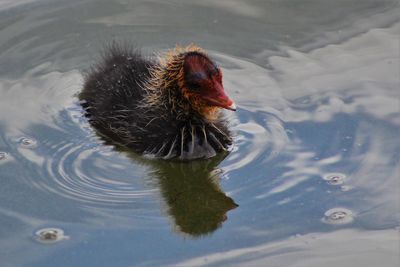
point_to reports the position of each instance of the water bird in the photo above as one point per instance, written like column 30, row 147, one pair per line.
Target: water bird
column 166, row 107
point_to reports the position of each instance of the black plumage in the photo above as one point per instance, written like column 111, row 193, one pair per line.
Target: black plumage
column 122, row 102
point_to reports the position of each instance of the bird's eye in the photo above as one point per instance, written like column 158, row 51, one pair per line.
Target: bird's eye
column 192, row 85
column 194, row 79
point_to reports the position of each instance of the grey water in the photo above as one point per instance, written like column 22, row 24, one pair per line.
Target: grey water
column 313, row 177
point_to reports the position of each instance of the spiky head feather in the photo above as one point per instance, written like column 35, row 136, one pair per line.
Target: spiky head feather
column 167, row 83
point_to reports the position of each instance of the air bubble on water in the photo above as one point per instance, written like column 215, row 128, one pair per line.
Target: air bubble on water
column 50, row 235
column 338, row 216
column 27, row 142
column 334, row 178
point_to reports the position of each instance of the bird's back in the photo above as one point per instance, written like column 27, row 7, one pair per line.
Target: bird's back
column 116, row 80
column 113, row 91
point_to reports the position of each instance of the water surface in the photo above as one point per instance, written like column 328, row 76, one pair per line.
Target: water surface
column 313, row 178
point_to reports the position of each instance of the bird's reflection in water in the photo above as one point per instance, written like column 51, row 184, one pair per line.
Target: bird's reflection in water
column 192, row 194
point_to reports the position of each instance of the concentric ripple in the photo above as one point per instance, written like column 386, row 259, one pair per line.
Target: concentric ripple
column 299, row 124
column 90, row 175
column 316, row 151
column 260, row 132
column 58, row 150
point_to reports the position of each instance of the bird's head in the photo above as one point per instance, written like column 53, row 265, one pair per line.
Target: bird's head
column 202, row 83
column 196, row 77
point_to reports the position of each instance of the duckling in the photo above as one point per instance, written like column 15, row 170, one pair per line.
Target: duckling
column 168, row 108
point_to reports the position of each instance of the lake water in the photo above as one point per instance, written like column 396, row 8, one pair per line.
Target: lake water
column 313, row 178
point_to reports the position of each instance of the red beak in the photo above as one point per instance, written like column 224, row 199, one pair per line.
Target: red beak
column 218, row 98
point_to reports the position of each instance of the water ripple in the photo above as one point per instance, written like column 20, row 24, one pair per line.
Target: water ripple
column 83, row 173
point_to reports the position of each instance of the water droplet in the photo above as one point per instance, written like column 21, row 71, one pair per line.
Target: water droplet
column 50, row 235
column 27, row 142
column 334, row 178
column 338, row 216
column 3, row 155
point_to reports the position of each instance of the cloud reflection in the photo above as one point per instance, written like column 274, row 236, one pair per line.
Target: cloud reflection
column 346, row 248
